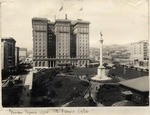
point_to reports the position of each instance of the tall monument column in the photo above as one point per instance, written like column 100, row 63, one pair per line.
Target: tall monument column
column 101, row 69
column 101, row 50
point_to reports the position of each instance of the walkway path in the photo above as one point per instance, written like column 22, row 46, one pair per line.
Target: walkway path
column 29, row 80
column 25, row 96
column 93, row 89
column 66, row 104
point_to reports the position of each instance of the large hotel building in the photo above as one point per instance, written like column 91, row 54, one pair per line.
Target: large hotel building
column 61, row 42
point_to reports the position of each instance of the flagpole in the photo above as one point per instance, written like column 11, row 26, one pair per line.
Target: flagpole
column 61, row 11
column 80, row 13
column 82, row 9
column 148, row 18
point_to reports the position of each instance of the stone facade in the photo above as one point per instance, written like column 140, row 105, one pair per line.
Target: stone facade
column 60, row 42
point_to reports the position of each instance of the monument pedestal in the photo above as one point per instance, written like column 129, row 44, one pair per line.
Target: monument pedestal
column 100, row 75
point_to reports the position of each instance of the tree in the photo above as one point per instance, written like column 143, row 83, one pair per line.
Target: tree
column 10, row 84
column 58, row 84
column 51, row 93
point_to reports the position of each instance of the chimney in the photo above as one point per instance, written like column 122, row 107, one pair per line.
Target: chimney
column 65, row 16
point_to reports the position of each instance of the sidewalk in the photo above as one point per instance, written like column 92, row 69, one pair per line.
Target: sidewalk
column 25, row 96
column 140, row 67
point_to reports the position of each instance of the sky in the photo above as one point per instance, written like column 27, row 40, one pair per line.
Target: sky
column 121, row 21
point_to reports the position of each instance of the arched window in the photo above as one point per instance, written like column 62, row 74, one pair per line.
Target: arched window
column 43, row 63
column 35, row 64
column 39, row 63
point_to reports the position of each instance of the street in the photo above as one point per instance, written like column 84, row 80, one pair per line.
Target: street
column 24, row 83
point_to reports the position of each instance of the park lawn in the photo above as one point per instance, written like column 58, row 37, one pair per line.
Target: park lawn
column 65, row 87
column 84, row 71
column 128, row 73
column 71, row 88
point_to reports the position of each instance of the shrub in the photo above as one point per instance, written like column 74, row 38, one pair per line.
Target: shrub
column 42, row 102
column 51, row 93
column 10, row 84
column 109, row 94
column 84, row 83
column 58, row 84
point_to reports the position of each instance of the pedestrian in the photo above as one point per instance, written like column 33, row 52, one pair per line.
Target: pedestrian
column 27, row 94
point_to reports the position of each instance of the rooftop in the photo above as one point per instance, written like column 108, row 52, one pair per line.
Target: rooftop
column 73, row 22
column 23, row 49
column 63, row 20
column 80, row 21
column 140, row 84
column 8, row 39
column 39, row 18
column 142, row 41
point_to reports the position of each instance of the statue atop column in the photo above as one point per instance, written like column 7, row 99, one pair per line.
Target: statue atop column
column 101, row 69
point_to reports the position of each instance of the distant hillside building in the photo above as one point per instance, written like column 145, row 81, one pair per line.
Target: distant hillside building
column 22, row 54
column 8, row 52
column 139, row 52
column 61, row 42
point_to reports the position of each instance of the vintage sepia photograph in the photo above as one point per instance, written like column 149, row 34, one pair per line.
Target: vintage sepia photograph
column 74, row 53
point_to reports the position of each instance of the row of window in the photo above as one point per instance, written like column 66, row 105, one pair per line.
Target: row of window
column 63, row 53
column 51, row 28
column 64, row 35
column 40, row 36
column 39, row 47
column 63, row 57
column 83, row 50
column 39, row 39
column 42, row 54
column 62, row 24
column 83, row 53
column 38, row 27
column 83, row 45
column 83, row 35
column 50, row 35
column 39, row 57
column 39, row 22
column 80, row 62
column 39, row 43
column 63, row 28
column 63, row 40
column 83, row 41
column 40, row 50
column 62, row 44
column 82, row 57
column 39, row 64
